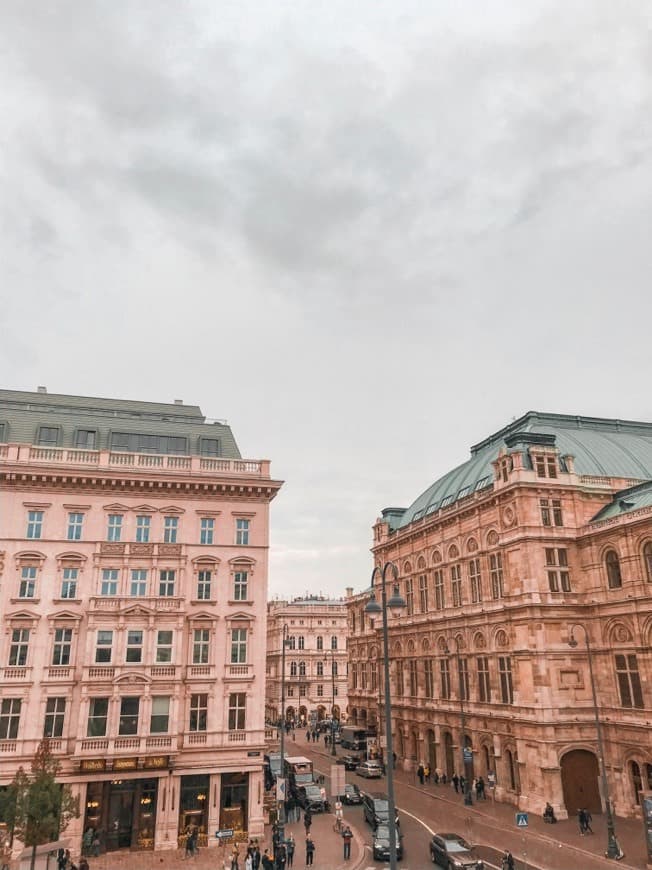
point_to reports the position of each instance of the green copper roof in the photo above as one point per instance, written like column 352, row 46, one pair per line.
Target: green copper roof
column 626, row 501
column 601, row 447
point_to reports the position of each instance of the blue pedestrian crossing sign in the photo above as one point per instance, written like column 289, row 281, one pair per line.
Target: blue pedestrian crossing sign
column 521, row 820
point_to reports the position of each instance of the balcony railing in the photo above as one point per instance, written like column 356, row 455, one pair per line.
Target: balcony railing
column 115, row 603
column 239, row 672
column 111, row 459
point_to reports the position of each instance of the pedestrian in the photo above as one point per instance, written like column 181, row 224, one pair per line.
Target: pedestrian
column 587, row 821
column 508, row 861
column 281, row 857
column 463, row 784
column 420, row 772
column 289, row 848
column 456, row 783
column 479, row 789
column 235, row 857
column 87, row 840
column 443, row 779
column 256, row 856
column 308, row 736
column 267, row 862
column 6, row 855
column 83, row 863
column 307, row 820
column 96, row 844
column 276, row 839
column 249, row 862
column 394, row 759
column 188, row 852
column 581, row 821
column 347, row 836
column 426, row 773
column 310, row 850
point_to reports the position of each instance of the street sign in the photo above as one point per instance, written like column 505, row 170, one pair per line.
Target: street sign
column 281, row 792
column 338, row 778
column 468, row 755
column 225, row 834
column 521, row 820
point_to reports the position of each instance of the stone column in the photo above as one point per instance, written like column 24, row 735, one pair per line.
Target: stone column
column 256, row 792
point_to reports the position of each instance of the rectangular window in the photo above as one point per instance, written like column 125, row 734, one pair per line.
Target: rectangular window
column 557, row 569
column 463, row 678
column 409, row 596
column 198, row 712
column 19, row 647
column 240, row 581
column 546, row 466
column 320, row 690
column 85, row 439
column 170, row 530
column 423, row 593
column 164, row 641
column 69, row 583
column 400, row 679
column 439, row 590
column 429, row 678
column 206, row 530
column 136, row 442
column 204, row 586
column 210, row 447
column 484, row 685
column 551, row 512
column 237, row 702
column 445, row 679
column 55, row 712
column 629, row 681
column 414, row 680
column 138, row 583
column 129, row 710
column 34, row 525
column 496, row 574
column 134, row 651
column 114, row 527
column 143, row 526
column 9, row 718
column 506, row 686
column 456, row 585
column 109, row 584
column 27, row 588
column 239, row 646
column 475, row 581
column 166, row 584
column 200, row 646
column 98, row 713
column 373, row 667
column 242, row 532
column 48, row 436
column 159, row 722
column 104, row 647
column 61, row 647
column 75, row 522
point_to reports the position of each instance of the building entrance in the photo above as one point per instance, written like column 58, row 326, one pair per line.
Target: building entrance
column 122, row 813
column 579, row 780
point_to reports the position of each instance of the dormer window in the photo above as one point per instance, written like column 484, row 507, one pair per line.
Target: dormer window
column 545, row 466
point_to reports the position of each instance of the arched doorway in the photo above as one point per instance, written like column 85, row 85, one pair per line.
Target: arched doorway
column 289, row 714
column 336, row 711
column 431, row 749
column 303, row 714
column 321, row 712
column 449, row 757
column 579, row 781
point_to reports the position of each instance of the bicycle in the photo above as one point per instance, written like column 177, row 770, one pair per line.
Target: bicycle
column 337, row 825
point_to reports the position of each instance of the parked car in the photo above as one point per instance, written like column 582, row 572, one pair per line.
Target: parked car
column 352, row 794
column 454, row 853
column 369, row 769
column 311, row 796
column 350, row 762
column 381, row 843
column 376, row 809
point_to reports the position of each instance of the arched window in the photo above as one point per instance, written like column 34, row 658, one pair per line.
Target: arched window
column 302, row 669
column 292, row 642
column 635, row 777
column 320, row 669
column 334, row 669
column 647, row 560
column 612, row 563
column 302, row 643
column 320, row 642
column 293, row 669
column 334, row 642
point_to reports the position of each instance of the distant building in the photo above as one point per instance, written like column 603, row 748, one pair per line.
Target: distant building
column 544, row 531
column 315, row 659
column 133, row 590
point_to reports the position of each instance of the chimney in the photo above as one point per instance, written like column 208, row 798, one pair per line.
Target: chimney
column 178, row 401
column 349, row 592
column 41, row 389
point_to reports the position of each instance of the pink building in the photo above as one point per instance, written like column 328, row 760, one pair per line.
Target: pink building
column 133, row 584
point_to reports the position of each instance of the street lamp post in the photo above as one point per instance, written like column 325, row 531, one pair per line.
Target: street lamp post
column 613, row 849
column 466, row 764
column 373, row 608
column 332, row 653
column 281, row 810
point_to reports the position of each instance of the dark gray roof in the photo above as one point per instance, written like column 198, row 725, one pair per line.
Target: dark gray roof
column 601, row 447
column 626, row 501
column 22, row 413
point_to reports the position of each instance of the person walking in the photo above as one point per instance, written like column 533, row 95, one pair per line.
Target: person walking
column 310, row 850
column 267, row 862
column 249, row 862
column 281, row 856
column 426, row 773
column 420, row 773
column 235, row 857
column 347, row 836
column 508, row 861
column 290, row 846
column 581, row 821
column 456, row 783
column 256, row 856
column 479, row 789
column 587, row 821
column 307, row 820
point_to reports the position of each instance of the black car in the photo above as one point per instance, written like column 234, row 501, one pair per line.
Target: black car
column 350, row 762
column 352, row 794
column 310, row 796
column 381, row 843
column 376, row 809
column 454, row 853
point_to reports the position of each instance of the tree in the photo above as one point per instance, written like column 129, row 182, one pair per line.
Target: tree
column 38, row 807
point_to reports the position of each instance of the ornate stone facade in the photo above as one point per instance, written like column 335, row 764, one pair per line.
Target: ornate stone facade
column 498, row 578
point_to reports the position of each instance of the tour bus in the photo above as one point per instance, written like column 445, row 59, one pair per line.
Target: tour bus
column 353, row 738
column 298, row 772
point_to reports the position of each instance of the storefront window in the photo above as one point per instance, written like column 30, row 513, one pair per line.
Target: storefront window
column 234, row 801
column 193, row 807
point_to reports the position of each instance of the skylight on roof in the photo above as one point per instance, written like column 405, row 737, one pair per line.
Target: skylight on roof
column 483, row 482
column 418, row 515
column 447, row 500
column 464, row 491
column 433, row 507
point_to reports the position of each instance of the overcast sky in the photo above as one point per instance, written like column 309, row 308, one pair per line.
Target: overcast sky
column 366, row 233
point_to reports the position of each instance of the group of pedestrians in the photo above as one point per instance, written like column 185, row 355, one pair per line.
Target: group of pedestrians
column 425, row 774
